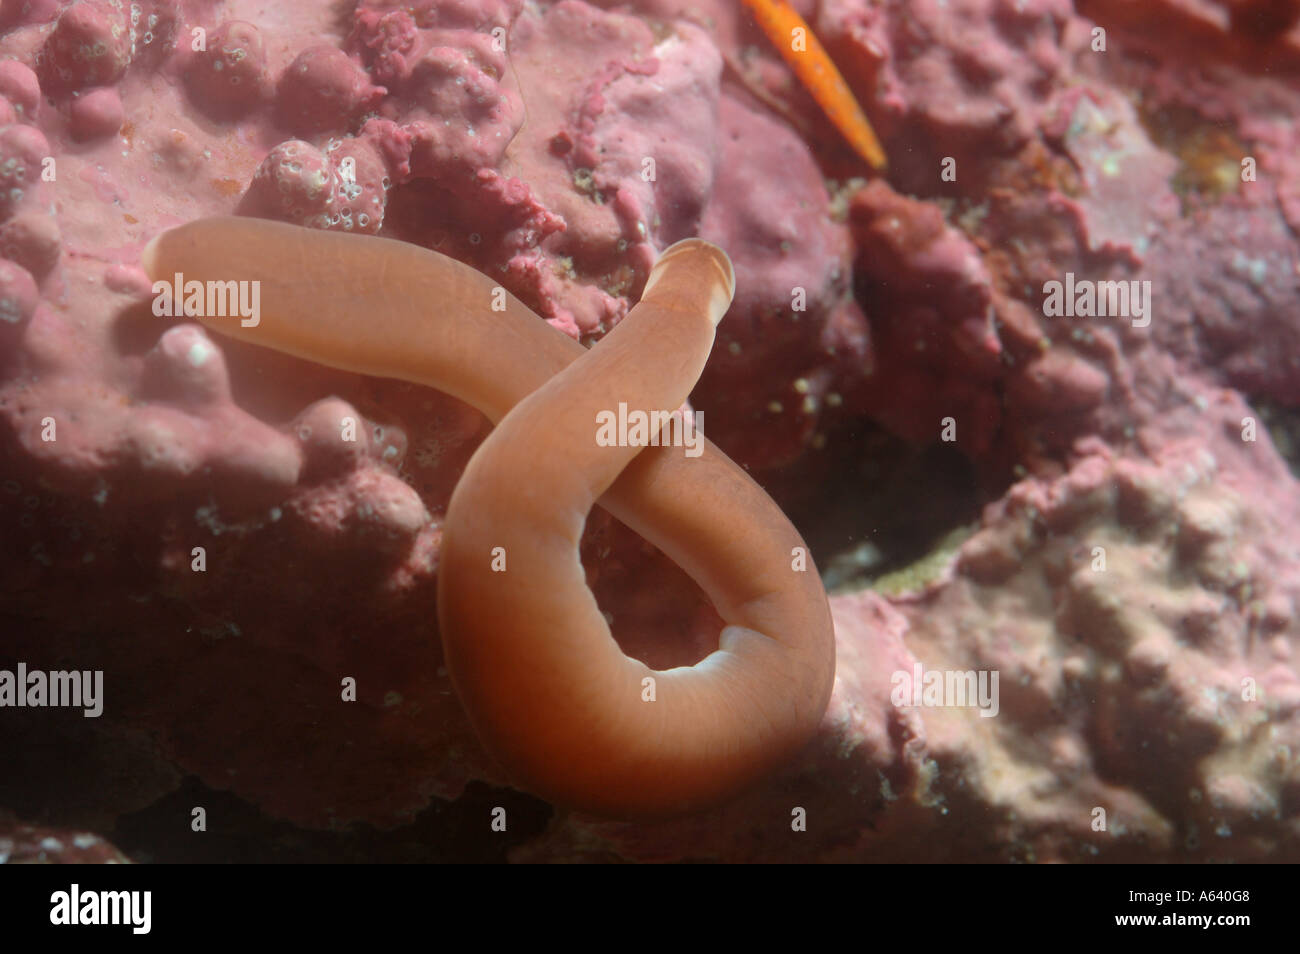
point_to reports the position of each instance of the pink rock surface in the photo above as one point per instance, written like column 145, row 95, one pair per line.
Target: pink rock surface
column 1161, row 688
column 32, row 844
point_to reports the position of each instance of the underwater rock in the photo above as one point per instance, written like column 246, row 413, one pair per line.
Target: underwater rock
column 241, row 539
column 1150, row 682
column 34, row 844
column 937, row 352
column 769, row 377
column 1253, row 35
column 229, row 76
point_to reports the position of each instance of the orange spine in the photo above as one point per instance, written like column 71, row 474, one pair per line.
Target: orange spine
column 819, row 75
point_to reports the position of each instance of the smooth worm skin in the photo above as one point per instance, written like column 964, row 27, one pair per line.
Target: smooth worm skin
column 552, row 696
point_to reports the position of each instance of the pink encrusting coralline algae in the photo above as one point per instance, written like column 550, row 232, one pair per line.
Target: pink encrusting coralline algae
column 1119, row 544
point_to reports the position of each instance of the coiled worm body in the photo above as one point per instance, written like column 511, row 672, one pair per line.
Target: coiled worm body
column 545, row 685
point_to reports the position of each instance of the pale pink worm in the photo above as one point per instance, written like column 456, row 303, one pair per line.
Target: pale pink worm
column 548, row 690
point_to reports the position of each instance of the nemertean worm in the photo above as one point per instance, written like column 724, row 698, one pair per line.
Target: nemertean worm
column 553, row 698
